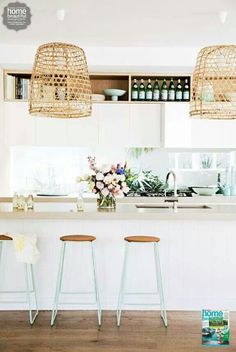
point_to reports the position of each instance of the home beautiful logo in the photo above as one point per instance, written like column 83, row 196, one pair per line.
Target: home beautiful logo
column 16, row 16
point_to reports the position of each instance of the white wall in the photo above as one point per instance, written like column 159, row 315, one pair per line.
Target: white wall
column 99, row 59
column 4, row 151
column 184, row 58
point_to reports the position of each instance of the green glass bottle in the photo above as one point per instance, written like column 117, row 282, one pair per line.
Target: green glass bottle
column 134, row 91
column 171, row 91
column 156, row 91
column 186, row 91
column 164, row 91
column 141, row 91
column 148, row 95
column 179, row 91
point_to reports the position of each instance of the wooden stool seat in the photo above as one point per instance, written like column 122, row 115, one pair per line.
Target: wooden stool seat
column 142, row 239
column 5, row 238
column 78, row 238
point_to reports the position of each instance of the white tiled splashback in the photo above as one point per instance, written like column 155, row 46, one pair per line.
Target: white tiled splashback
column 50, row 169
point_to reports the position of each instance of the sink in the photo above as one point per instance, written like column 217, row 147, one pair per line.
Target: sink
column 170, row 205
column 192, row 206
column 153, row 206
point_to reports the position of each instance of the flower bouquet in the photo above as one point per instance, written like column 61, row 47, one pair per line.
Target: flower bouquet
column 107, row 181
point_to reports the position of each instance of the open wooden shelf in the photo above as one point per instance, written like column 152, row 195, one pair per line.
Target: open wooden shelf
column 101, row 81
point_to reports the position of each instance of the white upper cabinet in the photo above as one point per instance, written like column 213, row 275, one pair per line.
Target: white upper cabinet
column 176, row 125
column 145, row 125
column 119, row 125
column 51, row 131
column 84, row 131
column 20, row 126
column 113, row 124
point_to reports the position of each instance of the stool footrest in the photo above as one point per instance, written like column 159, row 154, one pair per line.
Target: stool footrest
column 79, row 303
column 141, row 293
column 77, row 293
column 2, row 292
column 4, row 302
column 141, row 304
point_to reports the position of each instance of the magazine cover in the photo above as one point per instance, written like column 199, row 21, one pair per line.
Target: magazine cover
column 215, row 327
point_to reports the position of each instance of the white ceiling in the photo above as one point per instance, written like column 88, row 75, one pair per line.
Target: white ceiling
column 166, row 23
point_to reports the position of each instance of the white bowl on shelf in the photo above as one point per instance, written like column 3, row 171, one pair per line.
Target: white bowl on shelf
column 205, row 190
column 114, row 93
column 98, row 97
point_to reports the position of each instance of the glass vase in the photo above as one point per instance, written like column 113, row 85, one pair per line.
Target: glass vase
column 106, row 202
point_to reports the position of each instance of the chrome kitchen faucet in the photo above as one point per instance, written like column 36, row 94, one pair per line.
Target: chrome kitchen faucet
column 173, row 199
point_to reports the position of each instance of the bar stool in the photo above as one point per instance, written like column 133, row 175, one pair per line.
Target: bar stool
column 30, row 287
column 139, row 240
column 78, row 239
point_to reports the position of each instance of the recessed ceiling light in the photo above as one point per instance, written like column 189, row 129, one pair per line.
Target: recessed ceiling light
column 61, row 14
column 223, row 16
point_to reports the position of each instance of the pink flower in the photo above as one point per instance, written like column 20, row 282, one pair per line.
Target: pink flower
column 105, row 192
column 100, row 185
column 99, row 176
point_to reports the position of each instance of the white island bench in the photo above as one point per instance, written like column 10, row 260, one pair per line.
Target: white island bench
column 197, row 248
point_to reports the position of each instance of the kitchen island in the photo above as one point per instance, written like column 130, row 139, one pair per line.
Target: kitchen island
column 197, row 251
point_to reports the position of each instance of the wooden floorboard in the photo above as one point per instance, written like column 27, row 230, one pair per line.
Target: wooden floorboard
column 77, row 331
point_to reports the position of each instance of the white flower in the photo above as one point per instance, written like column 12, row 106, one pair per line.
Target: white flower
column 110, row 187
column 105, row 169
column 99, row 176
column 122, row 178
column 115, row 179
column 100, row 185
column 117, row 188
column 105, row 192
column 107, row 179
column 125, row 189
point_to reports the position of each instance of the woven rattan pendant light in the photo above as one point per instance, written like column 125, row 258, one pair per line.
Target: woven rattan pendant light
column 214, row 83
column 60, row 85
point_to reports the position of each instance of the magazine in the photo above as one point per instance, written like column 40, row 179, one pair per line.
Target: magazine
column 215, row 327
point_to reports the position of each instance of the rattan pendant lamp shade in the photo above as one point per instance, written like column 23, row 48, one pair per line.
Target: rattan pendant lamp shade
column 214, row 83
column 60, row 85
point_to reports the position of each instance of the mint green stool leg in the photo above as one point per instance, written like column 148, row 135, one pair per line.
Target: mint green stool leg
column 122, row 293
column 29, row 276
column 160, row 284
column 99, row 312
column 122, row 285
column 59, row 283
column 29, row 272
column 0, row 252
